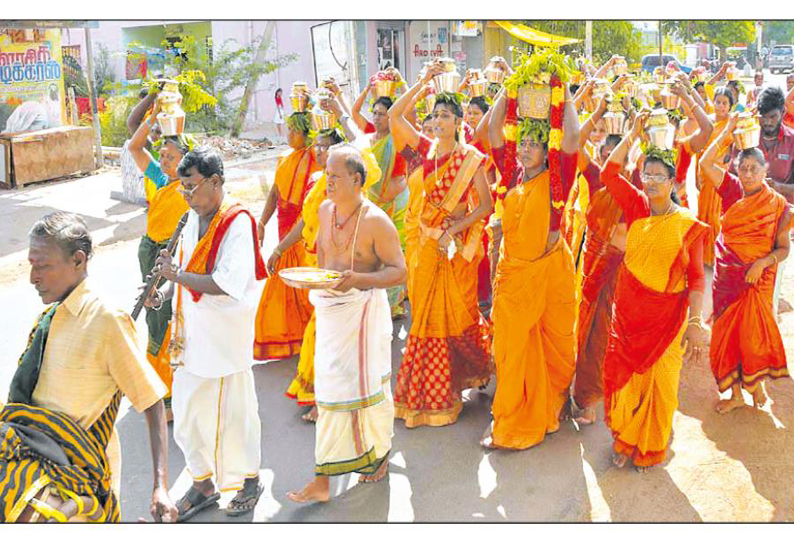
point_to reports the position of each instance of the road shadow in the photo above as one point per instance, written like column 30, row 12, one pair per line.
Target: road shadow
column 761, row 440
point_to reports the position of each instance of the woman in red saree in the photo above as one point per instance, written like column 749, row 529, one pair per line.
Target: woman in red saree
column 746, row 346
column 605, row 244
column 448, row 347
column 657, row 307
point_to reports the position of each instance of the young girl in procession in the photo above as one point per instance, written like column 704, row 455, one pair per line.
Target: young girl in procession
column 448, row 346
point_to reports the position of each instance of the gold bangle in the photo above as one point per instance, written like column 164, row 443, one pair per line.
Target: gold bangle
column 774, row 257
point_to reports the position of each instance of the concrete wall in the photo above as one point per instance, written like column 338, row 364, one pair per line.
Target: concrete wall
column 288, row 37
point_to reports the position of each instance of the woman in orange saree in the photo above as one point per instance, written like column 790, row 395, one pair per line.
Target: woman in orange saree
column 709, row 202
column 284, row 312
column 534, row 310
column 660, row 281
column 746, row 346
column 448, row 346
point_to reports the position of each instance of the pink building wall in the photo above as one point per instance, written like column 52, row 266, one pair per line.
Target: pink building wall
column 288, row 37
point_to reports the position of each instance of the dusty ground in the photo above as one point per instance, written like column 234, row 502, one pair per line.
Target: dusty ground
column 736, row 467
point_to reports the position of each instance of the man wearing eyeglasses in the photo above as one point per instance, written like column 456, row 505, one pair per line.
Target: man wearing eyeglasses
column 212, row 280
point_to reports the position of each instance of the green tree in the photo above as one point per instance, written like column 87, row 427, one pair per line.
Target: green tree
column 103, row 71
column 227, row 71
column 778, row 32
column 609, row 37
column 723, row 34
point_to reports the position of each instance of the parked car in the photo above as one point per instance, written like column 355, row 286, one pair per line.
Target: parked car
column 781, row 58
column 649, row 62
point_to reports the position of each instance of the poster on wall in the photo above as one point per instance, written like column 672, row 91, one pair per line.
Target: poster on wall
column 31, row 79
column 387, row 49
column 427, row 41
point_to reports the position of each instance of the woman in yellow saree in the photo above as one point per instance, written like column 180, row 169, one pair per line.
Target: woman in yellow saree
column 660, row 284
column 448, row 346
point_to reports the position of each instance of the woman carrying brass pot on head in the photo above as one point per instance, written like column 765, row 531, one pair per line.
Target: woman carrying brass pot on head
column 166, row 207
column 656, row 317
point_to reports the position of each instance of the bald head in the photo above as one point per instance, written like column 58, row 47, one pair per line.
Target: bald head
column 352, row 159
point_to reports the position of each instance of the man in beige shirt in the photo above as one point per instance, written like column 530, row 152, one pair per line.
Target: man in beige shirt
column 92, row 351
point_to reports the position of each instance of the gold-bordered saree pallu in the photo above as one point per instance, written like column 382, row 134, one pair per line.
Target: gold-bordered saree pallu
column 746, row 345
column 448, row 348
column 355, row 410
column 644, row 355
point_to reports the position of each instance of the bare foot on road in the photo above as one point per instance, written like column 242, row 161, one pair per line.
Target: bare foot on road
column 726, row 405
column 587, row 416
column 619, row 460
column 379, row 474
column 318, row 490
column 759, row 397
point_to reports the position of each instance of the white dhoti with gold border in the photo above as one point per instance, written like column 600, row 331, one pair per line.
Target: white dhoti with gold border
column 217, row 427
column 352, row 372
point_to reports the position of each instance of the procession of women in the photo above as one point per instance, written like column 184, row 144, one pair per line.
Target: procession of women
column 530, row 225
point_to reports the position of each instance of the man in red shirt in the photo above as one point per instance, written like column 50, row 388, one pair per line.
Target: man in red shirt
column 777, row 141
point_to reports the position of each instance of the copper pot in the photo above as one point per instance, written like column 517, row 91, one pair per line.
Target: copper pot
column 669, row 100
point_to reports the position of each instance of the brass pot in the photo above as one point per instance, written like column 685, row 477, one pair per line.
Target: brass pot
column 732, row 74
column 171, row 124
column 494, row 75
column 385, row 88
column 478, row 88
column 615, row 122
column 659, row 131
column 300, row 103
column 669, row 100
column 171, row 117
column 322, row 120
column 534, row 101
column 447, row 82
column 747, row 138
column 299, row 98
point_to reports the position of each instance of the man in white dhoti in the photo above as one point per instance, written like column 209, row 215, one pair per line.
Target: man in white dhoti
column 352, row 363
column 216, row 419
